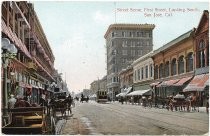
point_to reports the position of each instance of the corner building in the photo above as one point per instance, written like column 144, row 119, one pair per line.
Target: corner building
column 124, row 44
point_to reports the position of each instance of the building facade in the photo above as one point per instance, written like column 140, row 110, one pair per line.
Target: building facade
column 199, row 85
column 99, row 85
column 143, row 70
column 124, row 44
column 173, row 65
column 126, row 78
column 31, row 71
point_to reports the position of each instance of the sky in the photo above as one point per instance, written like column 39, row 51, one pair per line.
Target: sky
column 75, row 31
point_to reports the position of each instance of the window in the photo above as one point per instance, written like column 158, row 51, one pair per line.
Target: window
column 139, row 52
column 114, row 79
column 139, row 74
column 147, row 43
column 114, row 52
column 124, row 52
column 181, row 65
column 124, row 44
column 167, row 69
column 135, row 75
column 161, row 70
column 156, row 72
column 112, row 34
column 123, row 34
column 201, row 54
column 130, row 34
column 113, row 61
column 133, row 52
column 137, row 34
column 133, row 44
column 112, row 43
column 189, row 63
column 173, row 67
column 146, row 70
column 142, row 73
column 123, row 60
column 151, row 70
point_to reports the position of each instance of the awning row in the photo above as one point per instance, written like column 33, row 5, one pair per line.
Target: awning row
column 198, row 83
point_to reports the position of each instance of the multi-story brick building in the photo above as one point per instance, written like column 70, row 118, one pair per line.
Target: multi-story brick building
column 31, row 71
column 200, row 82
column 173, row 65
column 124, row 44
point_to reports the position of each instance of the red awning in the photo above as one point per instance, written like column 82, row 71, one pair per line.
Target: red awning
column 168, row 83
column 182, row 81
column 198, row 83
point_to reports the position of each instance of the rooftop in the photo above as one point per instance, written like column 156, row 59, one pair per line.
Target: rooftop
column 128, row 26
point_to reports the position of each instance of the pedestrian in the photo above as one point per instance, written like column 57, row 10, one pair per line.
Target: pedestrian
column 121, row 99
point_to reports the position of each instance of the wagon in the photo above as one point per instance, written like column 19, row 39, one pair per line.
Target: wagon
column 26, row 120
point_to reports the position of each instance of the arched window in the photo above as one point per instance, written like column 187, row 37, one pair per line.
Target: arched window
column 161, row 70
column 173, row 67
column 201, row 54
column 189, row 63
column 181, row 65
column 156, row 72
column 167, row 69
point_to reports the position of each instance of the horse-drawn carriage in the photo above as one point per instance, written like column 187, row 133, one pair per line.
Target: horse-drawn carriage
column 61, row 104
column 26, row 120
column 179, row 102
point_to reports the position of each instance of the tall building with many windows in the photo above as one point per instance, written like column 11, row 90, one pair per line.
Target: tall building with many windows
column 124, row 44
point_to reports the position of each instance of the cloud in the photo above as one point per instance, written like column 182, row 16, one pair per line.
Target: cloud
column 100, row 17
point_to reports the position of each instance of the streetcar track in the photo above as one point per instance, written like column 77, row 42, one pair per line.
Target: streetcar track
column 126, row 112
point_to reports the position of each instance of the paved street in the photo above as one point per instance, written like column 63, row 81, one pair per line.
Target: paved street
column 113, row 118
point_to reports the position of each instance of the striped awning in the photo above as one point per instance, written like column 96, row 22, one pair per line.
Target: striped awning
column 198, row 83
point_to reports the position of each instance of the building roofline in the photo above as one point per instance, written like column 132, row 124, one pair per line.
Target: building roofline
column 142, row 58
column 174, row 42
column 128, row 26
column 205, row 13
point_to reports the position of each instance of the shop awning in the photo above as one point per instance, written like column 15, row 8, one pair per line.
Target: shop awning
column 140, row 92
column 168, row 83
column 182, row 81
column 120, row 94
column 126, row 91
column 154, row 84
column 198, row 83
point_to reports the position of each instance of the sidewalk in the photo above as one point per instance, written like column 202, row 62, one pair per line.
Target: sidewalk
column 201, row 109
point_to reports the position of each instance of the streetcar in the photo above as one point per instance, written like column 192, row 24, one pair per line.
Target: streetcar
column 101, row 96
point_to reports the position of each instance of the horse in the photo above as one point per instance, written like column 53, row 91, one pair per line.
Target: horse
column 59, row 105
column 179, row 104
column 194, row 102
column 150, row 101
column 68, row 102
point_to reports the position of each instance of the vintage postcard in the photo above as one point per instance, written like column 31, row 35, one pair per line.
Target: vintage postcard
column 105, row 67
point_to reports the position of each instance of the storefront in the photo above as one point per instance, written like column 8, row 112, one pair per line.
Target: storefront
column 199, row 86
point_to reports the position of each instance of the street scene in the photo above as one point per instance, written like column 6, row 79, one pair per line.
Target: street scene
column 104, row 68
column 128, row 119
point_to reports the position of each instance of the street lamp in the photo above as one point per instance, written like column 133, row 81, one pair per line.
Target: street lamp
column 8, row 52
